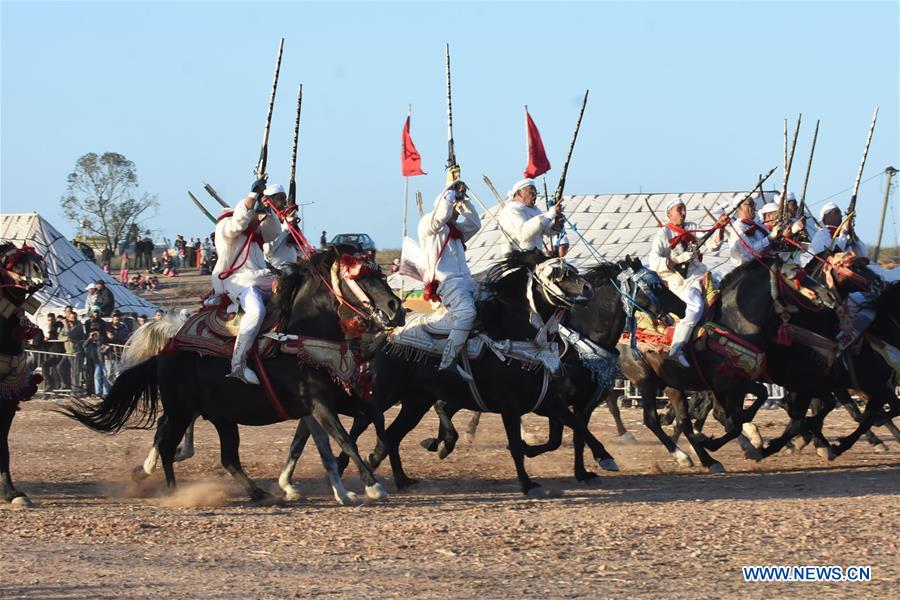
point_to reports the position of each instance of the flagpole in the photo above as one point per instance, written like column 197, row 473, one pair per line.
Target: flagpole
column 406, row 187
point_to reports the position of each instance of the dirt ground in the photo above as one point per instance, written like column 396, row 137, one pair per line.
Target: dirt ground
column 654, row 529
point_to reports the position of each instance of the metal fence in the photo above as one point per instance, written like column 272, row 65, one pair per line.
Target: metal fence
column 69, row 374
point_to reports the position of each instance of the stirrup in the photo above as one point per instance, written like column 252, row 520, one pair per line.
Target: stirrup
column 244, row 375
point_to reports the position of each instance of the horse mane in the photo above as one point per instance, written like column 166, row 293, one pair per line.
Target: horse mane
column 738, row 273
column 499, row 282
column 305, row 271
column 601, row 272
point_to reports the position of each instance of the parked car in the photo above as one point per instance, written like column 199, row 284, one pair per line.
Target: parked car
column 361, row 241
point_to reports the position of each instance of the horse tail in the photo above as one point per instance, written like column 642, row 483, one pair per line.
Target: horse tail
column 149, row 340
column 133, row 393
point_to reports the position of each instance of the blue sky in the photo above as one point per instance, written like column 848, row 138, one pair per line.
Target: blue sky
column 684, row 97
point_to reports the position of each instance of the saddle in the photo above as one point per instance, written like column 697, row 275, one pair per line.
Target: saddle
column 212, row 333
column 426, row 335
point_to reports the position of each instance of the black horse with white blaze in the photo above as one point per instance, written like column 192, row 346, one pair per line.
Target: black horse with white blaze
column 312, row 301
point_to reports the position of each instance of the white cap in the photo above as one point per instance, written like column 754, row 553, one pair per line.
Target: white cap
column 522, row 183
column 275, row 188
column 769, row 207
column 90, row 286
column 790, row 196
column 673, row 203
column 827, row 209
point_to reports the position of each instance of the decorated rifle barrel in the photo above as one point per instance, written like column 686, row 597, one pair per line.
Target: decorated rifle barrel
column 209, row 190
column 451, row 153
column 557, row 197
column 201, row 207
column 292, row 188
column 264, row 151
column 862, row 164
column 812, row 151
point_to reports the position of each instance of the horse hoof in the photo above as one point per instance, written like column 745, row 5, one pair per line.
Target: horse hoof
column 405, row 482
column 716, row 468
column 531, row 439
column 682, row 458
column 182, row 454
column 22, row 502
column 753, row 453
column 376, row 492
column 349, row 499
column 627, row 438
column 590, row 479
column 537, row 491
column 262, row 498
column 787, row 450
column 881, row 448
column 291, row 494
column 444, row 450
column 139, row 474
column 468, row 437
column 430, row 444
column 608, row 464
column 826, row 452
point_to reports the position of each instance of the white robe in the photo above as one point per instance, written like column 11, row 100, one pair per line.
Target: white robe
column 758, row 242
column 434, row 231
column 231, row 241
column 660, row 252
column 526, row 225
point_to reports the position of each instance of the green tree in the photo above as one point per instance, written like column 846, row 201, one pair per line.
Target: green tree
column 102, row 197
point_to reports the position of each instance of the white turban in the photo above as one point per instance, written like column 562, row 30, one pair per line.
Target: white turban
column 790, row 196
column 673, row 203
column 275, row 188
column 769, row 207
column 521, row 184
column 827, row 209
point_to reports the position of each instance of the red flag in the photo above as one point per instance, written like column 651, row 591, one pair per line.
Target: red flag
column 410, row 160
column 537, row 158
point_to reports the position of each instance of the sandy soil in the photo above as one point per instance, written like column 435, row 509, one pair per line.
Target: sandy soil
column 654, row 529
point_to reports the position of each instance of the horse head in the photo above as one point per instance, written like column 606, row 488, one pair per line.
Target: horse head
column 643, row 289
column 845, row 272
column 334, row 283
column 561, row 284
column 22, row 272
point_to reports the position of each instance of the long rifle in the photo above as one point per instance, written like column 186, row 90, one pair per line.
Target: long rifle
column 652, row 213
column 557, row 197
column 789, row 161
column 264, row 151
column 201, row 207
column 209, row 190
column 451, row 152
column 487, row 182
column 682, row 268
column 851, row 208
column 812, row 151
column 292, row 187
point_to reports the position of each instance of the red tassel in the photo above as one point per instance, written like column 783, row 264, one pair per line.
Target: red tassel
column 784, row 337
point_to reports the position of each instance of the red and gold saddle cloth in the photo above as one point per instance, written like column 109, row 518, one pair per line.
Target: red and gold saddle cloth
column 212, row 333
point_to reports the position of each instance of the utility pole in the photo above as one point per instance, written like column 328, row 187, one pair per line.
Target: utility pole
column 887, row 194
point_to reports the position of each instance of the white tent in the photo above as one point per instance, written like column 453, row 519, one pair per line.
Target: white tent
column 613, row 224
column 70, row 272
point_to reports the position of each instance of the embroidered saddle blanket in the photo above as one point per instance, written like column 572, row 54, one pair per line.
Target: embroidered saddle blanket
column 212, row 333
column 426, row 335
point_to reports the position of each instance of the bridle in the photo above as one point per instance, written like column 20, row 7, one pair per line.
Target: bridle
column 12, row 258
column 348, row 269
column 630, row 282
column 548, row 276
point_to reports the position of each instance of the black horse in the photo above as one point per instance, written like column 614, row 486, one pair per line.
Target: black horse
column 22, row 272
column 509, row 387
column 587, row 370
column 317, row 301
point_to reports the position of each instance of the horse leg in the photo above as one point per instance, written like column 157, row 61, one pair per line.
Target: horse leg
column 186, row 449
column 229, row 442
column 870, row 414
column 608, row 396
column 341, row 494
column 893, row 429
column 360, row 424
column 679, row 403
column 851, row 407
column 330, row 422
column 10, row 493
column 301, row 435
column 553, row 442
column 447, row 437
column 169, row 432
column 512, row 424
column 651, row 421
column 560, row 413
column 472, row 427
column 797, row 408
column 411, row 413
column 737, row 416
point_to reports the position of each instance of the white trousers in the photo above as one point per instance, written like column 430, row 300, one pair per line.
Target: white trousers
column 693, row 298
column 458, row 297
column 253, row 302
